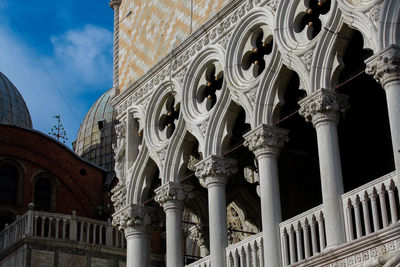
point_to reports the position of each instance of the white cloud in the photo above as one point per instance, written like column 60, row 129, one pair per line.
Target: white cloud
column 81, row 62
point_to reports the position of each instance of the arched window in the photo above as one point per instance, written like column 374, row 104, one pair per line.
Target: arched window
column 8, row 184
column 43, row 191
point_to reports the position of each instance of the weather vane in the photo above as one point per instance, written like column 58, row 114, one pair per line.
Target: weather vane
column 58, row 131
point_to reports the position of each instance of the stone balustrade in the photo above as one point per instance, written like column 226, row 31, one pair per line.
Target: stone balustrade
column 371, row 207
column 303, row 236
column 246, row 253
column 204, row 262
column 62, row 227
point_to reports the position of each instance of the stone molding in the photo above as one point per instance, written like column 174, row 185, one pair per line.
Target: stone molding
column 135, row 219
column 115, row 3
column 385, row 66
column 266, row 139
column 323, row 106
column 215, row 170
column 173, row 195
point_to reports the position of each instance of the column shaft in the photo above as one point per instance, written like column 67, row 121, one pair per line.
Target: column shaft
column 331, row 181
column 138, row 250
column 270, row 208
column 174, row 237
column 217, row 220
column 393, row 102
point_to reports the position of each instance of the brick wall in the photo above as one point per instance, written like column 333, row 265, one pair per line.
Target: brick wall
column 150, row 29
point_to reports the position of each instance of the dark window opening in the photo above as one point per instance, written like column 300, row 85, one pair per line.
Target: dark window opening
column 43, row 190
column 8, row 184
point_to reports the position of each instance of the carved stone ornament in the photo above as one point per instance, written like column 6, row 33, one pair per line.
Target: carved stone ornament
column 265, row 139
column 198, row 234
column 135, row 218
column 215, row 169
column 323, row 105
column 173, row 195
column 192, row 163
column 119, row 195
column 119, row 150
column 115, row 3
column 385, row 66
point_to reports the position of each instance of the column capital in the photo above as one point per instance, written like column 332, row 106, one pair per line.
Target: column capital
column 215, row 170
column 323, row 105
column 198, row 234
column 173, row 195
column 135, row 219
column 266, row 139
column 385, row 65
column 115, row 3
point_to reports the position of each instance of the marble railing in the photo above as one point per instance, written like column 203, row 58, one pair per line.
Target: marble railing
column 204, row 262
column 61, row 227
column 248, row 252
column 370, row 207
column 303, row 236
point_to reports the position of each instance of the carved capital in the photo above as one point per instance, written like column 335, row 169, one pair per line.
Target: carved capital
column 323, row 105
column 173, row 195
column 265, row 139
column 215, row 170
column 135, row 218
column 119, row 195
column 198, row 234
column 115, row 3
column 385, row 66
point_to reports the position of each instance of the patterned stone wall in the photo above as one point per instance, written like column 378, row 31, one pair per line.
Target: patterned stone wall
column 150, row 29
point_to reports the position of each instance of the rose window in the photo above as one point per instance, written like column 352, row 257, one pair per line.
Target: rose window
column 258, row 46
column 169, row 117
column 209, row 85
column 310, row 17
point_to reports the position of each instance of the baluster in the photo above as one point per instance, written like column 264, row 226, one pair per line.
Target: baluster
column 50, row 227
column 235, row 258
column 392, row 201
column 247, row 254
column 350, row 220
column 101, row 235
column 299, row 242
column 229, row 259
column 357, row 214
column 261, row 250
column 242, row 256
column 314, row 241
column 367, row 220
column 292, row 245
column 382, row 201
column 82, row 224
column 306, row 239
column 94, row 234
column 57, row 227
column 321, row 229
column 64, row 226
column 122, row 240
column 42, row 230
column 285, row 251
column 374, row 206
column 88, row 232
column 254, row 253
column 117, row 239
column 35, row 222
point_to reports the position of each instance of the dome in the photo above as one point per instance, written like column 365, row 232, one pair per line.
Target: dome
column 13, row 109
column 95, row 136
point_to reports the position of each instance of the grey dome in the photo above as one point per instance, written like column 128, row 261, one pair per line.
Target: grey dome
column 13, row 109
column 95, row 136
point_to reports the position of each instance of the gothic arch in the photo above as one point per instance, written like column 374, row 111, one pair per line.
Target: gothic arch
column 389, row 23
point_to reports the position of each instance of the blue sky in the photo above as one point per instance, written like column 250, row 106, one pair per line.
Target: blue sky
column 73, row 40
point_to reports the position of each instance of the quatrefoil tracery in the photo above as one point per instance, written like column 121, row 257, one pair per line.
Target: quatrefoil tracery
column 169, row 117
column 310, row 18
column 258, row 47
column 210, row 83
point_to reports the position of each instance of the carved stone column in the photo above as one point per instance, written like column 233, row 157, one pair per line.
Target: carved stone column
column 385, row 67
column 198, row 235
column 172, row 197
column 323, row 109
column 136, row 221
column 265, row 141
column 115, row 4
column 213, row 173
